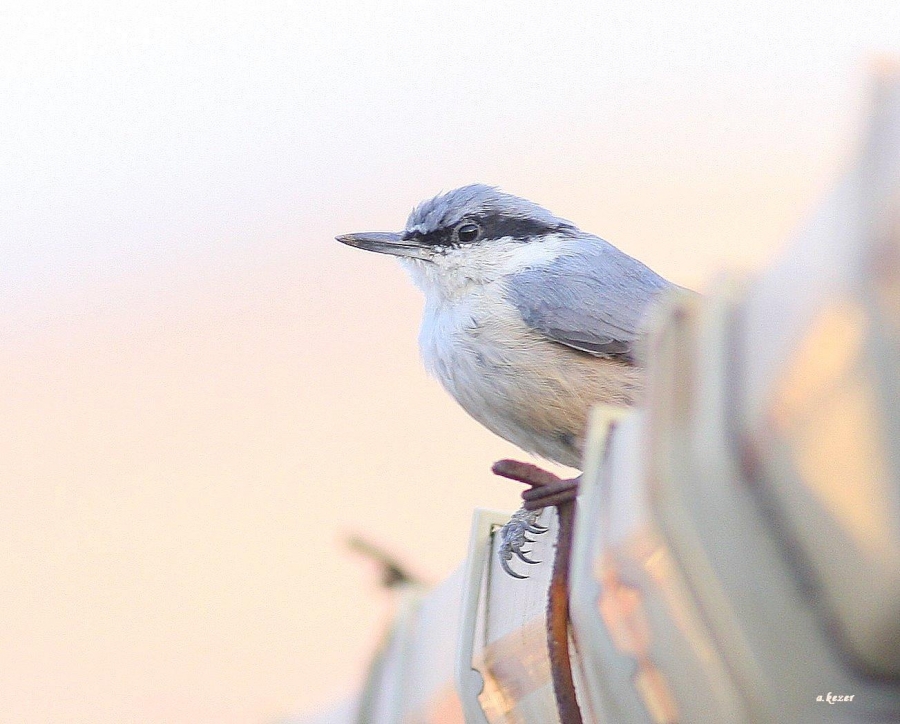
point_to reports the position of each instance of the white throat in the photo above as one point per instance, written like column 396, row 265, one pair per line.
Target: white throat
column 455, row 272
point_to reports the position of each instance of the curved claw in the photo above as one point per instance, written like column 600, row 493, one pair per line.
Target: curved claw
column 514, row 539
column 522, row 557
column 510, row 571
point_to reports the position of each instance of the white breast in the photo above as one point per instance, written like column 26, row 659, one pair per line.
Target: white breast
column 530, row 390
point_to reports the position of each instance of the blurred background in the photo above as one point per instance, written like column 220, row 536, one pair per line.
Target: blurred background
column 201, row 393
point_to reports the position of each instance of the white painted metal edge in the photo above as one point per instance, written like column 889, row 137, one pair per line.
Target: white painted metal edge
column 469, row 681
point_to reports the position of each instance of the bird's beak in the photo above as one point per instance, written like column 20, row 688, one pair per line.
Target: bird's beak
column 387, row 243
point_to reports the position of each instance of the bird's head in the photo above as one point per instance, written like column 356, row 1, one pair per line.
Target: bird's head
column 471, row 235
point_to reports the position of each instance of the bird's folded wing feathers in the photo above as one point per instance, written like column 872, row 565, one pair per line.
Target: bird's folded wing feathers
column 592, row 299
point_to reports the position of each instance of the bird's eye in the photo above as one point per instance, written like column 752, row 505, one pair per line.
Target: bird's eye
column 467, row 232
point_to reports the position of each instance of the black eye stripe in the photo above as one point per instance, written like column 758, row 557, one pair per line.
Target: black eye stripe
column 439, row 237
column 495, row 226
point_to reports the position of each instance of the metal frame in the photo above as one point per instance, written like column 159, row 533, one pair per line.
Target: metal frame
column 470, row 681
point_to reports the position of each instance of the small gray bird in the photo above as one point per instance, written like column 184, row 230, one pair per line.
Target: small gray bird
column 528, row 320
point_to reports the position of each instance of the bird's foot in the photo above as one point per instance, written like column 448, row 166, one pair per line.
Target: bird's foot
column 546, row 489
column 514, row 537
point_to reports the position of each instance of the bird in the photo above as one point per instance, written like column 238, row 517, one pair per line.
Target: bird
column 528, row 321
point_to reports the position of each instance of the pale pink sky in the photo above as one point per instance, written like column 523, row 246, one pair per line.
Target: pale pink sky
column 202, row 392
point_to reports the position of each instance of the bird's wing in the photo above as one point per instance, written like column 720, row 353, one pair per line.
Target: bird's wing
column 591, row 299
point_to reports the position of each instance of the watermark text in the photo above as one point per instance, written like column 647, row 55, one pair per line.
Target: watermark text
column 835, row 698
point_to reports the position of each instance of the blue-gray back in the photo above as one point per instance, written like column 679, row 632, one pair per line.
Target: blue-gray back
column 592, row 299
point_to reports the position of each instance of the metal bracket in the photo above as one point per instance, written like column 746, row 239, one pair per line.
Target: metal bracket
column 587, row 626
column 470, row 681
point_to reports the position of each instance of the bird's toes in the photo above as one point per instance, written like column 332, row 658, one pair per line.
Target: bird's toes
column 513, row 539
